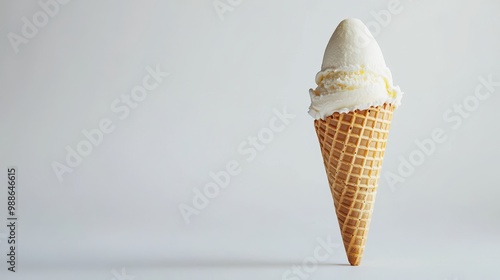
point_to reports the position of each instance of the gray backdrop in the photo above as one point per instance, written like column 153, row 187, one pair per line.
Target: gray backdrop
column 170, row 139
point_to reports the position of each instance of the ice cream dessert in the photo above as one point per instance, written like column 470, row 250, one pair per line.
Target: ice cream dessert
column 353, row 74
column 352, row 107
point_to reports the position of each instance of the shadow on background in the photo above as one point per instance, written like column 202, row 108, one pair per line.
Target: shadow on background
column 205, row 263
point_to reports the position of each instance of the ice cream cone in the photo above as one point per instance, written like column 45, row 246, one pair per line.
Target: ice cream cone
column 353, row 146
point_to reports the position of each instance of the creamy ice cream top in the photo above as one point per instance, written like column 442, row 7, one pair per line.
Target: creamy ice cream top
column 353, row 75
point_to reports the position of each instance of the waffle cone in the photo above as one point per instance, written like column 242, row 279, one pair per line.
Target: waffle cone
column 353, row 146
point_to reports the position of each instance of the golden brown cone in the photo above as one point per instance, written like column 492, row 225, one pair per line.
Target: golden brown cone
column 353, row 147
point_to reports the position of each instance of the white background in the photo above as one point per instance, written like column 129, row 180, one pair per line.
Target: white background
column 118, row 211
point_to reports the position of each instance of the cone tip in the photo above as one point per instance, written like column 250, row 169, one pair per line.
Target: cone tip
column 354, row 260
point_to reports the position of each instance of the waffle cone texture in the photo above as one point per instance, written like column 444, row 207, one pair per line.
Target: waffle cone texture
column 353, row 146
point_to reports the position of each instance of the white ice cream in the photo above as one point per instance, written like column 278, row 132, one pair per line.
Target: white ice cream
column 353, row 75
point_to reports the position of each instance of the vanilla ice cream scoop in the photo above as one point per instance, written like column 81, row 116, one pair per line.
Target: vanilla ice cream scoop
column 353, row 75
